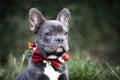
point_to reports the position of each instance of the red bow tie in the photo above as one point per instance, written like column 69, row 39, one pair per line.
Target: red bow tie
column 38, row 57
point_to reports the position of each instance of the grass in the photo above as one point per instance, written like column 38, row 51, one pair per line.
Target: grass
column 14, row 67
column 84, row 69
column 80, row 68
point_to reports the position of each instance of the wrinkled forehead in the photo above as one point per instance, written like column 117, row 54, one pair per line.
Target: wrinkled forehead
column 55, row 26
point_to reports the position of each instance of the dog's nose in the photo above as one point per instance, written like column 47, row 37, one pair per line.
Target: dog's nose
column 59, row 40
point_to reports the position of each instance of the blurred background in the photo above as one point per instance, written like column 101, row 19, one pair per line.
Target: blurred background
column 94, row 27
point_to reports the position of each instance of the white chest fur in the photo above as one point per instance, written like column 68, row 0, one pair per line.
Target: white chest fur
column 50, row 72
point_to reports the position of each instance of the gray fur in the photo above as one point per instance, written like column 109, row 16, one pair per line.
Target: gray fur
column 51, row 35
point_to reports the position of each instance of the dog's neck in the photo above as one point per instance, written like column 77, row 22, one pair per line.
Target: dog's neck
column 42, row 51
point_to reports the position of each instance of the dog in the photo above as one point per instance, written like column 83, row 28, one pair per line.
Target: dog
column 51, row 45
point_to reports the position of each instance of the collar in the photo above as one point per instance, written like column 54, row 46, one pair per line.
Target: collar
column 56, row 63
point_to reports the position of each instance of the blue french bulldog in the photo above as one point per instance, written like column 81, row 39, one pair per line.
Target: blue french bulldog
column 51, row 44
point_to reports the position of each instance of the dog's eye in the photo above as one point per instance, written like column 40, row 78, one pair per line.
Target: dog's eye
column 66, row 33
column 48, row 33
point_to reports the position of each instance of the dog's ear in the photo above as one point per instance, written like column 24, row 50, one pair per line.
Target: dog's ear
column 63, row 16
column 36, row 19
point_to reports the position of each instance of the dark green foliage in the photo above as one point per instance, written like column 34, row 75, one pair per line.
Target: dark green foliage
column 86, row 69
column 28, row 53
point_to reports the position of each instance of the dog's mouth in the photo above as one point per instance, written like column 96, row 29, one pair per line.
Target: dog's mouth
column 57, row 51
column 60, row 50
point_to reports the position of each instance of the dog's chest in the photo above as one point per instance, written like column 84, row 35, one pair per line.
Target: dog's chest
column 50, row 72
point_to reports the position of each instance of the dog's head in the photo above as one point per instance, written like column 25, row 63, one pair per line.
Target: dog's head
column 51, row 35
